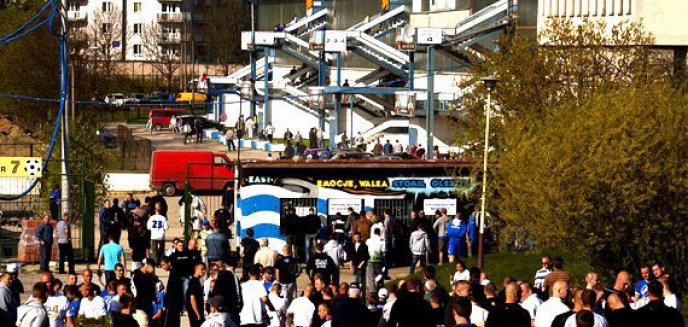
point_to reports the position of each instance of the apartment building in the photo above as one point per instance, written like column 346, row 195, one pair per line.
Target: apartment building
column 133, row 24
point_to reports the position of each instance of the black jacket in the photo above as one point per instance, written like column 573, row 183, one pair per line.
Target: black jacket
column 356, row 257
column 411, row 310
column 509, row 315
column 349, row 312
column 227, row 285
column 656, row 313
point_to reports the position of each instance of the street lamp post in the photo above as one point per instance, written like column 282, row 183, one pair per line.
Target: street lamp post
column 490, row 84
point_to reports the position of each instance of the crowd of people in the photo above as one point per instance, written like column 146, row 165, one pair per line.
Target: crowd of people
column 205, row 288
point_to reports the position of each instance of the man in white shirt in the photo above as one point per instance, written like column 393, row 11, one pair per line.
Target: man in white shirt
column 56, row 307
column 335, row 251
column 529, row 300
column 157, row 224
column 587, row 303
column 301, row 309
column 554, row 306
column 545, row 270
column 92, row 306
column 266, row 256
column 478, row 314
column 254, row 297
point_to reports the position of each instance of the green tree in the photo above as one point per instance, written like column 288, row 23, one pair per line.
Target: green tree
column 590, row 138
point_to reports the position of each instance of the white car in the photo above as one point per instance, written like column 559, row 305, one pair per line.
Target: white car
column 115, row 98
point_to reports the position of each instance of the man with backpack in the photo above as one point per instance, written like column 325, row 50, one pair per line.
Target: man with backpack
column 287, row 271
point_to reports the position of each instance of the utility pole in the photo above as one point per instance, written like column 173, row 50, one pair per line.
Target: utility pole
column 490, row 84
column 430, row 105
column 64, row 135
column 253, row 58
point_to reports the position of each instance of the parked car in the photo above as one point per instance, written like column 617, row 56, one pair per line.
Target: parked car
column 207, row 171
column 396, row 156
column 205, row 122
column 136, row 98
column 106, row 137
column 351, row 155
column 191, row 97
column 160, row 118
column 159, row 97
column 317, row 154
column 115, row 98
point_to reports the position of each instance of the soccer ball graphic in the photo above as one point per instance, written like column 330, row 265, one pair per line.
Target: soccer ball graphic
column 32, row 167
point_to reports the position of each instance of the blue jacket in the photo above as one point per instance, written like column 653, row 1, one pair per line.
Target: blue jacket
column 45, row 233
column 457, row 229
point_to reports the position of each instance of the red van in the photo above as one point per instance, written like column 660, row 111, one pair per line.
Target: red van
column 160, row 118
column 208, row 171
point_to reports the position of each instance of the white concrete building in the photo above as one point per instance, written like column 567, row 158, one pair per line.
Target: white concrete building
column 132, row 19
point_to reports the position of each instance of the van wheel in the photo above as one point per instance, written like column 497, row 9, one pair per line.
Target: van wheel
column 168, row 189
column 157, row 127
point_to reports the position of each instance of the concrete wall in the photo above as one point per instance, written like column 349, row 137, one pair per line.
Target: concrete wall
column 661, row 18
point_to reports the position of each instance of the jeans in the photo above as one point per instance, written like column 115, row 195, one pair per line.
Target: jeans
column 360, row 277
column 157, row 249
column 374, row 269
column 308, row 240
column 415, row 260
column 66, row 254
column 46, row 255
column 290, row 291
column 230, row 145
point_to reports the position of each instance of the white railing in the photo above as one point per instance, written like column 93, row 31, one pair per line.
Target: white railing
column 378, row 20
column 171, row 17
column 305, row 21
column 381, row 47
column 481, row 16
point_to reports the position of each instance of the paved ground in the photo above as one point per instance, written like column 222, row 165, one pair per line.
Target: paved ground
column 167, row 140
column 30, row 273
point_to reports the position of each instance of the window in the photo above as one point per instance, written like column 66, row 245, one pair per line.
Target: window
column 106, row 28
column 107, row 6
column 219, row 161
column 137, row 49
column 73, row 6
column 137, row 28
column 137, row 7
column 169, row 7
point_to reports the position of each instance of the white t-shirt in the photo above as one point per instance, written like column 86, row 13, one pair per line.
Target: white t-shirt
column 672, row 301
column 464, row 275
column 252, row 293
column 599, row 321
column 56, row 306
column 478, row 315
column 302, row 309
column 531, row 304
column 92, row 309
column 157, row 224
column 549, row 310
column 277, row 316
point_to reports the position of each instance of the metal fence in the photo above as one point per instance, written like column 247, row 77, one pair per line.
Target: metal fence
column 134, row 153
column 19, row 218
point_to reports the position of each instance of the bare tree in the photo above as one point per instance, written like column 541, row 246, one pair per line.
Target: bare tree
column 162, row 48
column 222, row 33
column 105, row 33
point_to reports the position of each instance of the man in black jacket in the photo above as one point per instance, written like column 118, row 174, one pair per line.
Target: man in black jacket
column 350, row 311
column 656, row 313
column 44, row 235
column 227, row 286
column 410, row 309
column 511, row 313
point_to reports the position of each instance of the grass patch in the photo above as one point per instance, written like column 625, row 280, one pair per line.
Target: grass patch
column 518, row 265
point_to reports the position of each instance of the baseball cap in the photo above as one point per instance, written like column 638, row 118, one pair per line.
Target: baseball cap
column 383, row 293
column 354, row 286
column 205, row 222
column 13, row 268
